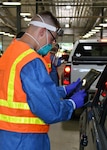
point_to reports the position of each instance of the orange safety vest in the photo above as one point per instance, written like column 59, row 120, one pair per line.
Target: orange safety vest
column 48, row 60
column 15, row 114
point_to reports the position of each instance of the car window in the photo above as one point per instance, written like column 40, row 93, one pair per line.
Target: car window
column 91, row 49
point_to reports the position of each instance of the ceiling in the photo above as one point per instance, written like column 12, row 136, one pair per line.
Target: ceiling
column 80, row 17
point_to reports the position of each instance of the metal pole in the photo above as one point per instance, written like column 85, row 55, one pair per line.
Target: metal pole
column 36, row 6
column 18, row 25
column 102, row 20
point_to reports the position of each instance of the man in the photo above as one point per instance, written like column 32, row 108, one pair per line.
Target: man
column 29, row 99
column 53, row 63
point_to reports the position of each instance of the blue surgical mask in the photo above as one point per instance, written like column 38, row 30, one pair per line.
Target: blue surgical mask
column 45, row 49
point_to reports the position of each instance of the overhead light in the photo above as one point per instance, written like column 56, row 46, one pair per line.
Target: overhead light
column 67, row 18
column 6, row 34
column 105, row 20
column 1, row 32
column 68, row 7
column 11, row 3
column 25, row 14
column 27, row 19
column 66, row 25
column 103, row 24
column 97, row 28
column 87, row 35
column 11, row 35
column 92, row 32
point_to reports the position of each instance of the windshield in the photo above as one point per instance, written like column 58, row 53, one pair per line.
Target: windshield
column 91, row 49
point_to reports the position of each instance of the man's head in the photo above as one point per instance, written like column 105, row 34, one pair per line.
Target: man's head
column 42, row 31
column 48, row 21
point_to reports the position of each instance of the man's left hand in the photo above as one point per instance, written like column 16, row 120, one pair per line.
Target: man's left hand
column 71, row 87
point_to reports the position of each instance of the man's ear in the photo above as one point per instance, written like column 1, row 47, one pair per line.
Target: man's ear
column 42, row 32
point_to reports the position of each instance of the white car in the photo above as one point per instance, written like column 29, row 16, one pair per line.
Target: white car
column 86, row 55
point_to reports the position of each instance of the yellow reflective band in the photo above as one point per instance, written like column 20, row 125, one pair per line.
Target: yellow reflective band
column 21, row 120
column 49, row 65
column 12, row 77
column 9, row 103
column 16, row 105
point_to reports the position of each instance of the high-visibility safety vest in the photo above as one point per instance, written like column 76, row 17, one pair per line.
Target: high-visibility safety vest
column 15, row 114
column 48, row 60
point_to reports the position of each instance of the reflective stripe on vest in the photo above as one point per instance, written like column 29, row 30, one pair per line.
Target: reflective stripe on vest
column 49, row 65
column 20, row 120
column 17, row 105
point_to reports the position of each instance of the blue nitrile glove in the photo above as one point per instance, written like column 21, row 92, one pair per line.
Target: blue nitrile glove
column 78, row 98
column 71, row 87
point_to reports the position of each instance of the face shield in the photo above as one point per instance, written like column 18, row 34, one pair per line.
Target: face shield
column 46, row 48
column 42, row 24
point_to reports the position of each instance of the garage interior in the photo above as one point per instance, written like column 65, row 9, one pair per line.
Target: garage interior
column 80, row 19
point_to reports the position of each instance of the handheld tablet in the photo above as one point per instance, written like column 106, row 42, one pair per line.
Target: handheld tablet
column 86, row 82
column 89, row 78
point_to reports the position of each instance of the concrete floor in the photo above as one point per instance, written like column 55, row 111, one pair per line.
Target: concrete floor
column 65, row 135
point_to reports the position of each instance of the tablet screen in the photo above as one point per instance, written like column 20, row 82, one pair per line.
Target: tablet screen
column 89, row 78
column 87, row 81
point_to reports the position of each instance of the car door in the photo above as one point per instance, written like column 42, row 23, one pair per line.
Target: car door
column 93, row 121
column 94, row 129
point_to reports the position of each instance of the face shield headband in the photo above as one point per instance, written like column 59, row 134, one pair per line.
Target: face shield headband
column 42, row 24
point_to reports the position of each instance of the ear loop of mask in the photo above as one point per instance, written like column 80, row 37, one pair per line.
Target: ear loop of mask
column 43, row 22
column 36, row 39
column 33, row 38
column 47, row 36
column 46, row 29
column 41, row 18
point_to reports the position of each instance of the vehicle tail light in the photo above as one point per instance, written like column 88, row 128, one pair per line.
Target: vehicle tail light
column 67, row 69
column 66, row 76
column 106, row 85
column 104, row 92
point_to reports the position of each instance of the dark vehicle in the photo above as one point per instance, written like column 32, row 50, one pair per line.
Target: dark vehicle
column 93, row 120
column 65, row 56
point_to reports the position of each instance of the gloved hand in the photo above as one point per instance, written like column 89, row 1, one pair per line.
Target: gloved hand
column 71, row 87
column 78, row 98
